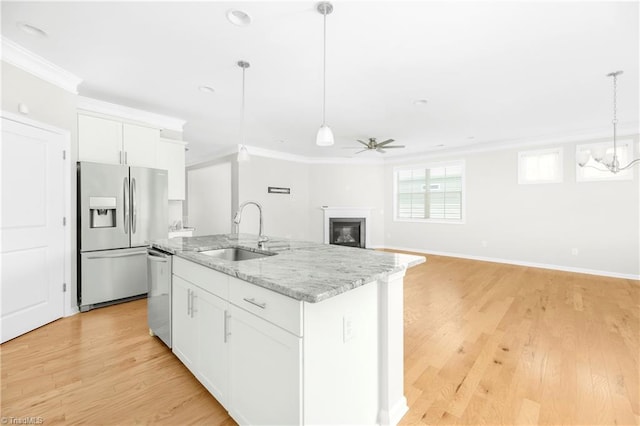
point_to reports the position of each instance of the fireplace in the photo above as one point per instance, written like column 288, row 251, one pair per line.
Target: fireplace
column 347, row 231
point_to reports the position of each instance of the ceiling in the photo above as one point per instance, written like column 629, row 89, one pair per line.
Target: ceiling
column 491, row 72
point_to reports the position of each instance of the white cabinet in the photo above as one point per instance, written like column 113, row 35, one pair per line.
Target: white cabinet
column 140, row 145
column 271, row 359
column 171, row 157
column 266, row 372
column 99, row 140
column 109, row 141
column 183, row 324
column 199, row 324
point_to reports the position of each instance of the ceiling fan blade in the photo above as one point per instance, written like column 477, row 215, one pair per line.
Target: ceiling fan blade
column 349, row 147
column 363, row 143
column 362, row 151
column 380, row 150
column 394, row 146
column 385, row 142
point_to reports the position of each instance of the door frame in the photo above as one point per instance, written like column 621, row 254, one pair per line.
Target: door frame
column 69, row 308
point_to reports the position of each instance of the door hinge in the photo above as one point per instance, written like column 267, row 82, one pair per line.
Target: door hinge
column 64, row 221
column 64, row 154
column 64, row 287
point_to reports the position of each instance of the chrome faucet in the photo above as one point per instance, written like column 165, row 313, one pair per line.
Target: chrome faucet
column 238, row 216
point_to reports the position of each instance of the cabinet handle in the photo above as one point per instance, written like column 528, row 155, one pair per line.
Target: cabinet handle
column 226, row 326
column 121, row 157
column 194, row 296
column 254, row 303
column 189, row 302
column 125, row 158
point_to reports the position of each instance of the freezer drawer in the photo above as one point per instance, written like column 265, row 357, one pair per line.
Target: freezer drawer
column 110, row 275
column 159, row 294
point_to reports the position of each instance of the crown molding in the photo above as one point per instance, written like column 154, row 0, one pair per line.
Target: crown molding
column 279, row 155
column 626, row 130
column 16, row 55
column 133, row 114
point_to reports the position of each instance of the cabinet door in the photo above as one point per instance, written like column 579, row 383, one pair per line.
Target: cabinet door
column 171, row 158
column 213, row 355
column 99, row 140
column 183, row 323
column 141, row 145
column 265, row 371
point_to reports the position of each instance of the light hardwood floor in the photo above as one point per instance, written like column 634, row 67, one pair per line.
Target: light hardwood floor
column 485, row 343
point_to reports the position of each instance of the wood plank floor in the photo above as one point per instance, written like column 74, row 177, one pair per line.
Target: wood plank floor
column 485, row 343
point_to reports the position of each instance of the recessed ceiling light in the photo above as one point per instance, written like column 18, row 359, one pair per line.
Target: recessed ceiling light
column 471, row 137
column 420, row 102
column 206, row 89
column 31, row 29
column 440, row 145
column 238, row 17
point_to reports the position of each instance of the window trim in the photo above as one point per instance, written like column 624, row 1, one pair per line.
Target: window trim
column 522, row 154
column 463, row 210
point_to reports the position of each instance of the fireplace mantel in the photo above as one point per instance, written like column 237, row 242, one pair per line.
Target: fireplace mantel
column 347, row 212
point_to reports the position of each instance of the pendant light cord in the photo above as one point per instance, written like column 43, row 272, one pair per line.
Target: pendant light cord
column 615, row 116
column 242, row 115
column 324, row 70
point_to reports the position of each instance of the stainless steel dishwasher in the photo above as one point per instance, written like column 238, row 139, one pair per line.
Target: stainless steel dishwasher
column 159, row 265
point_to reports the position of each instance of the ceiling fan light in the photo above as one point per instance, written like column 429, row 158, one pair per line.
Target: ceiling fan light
column 325, row 136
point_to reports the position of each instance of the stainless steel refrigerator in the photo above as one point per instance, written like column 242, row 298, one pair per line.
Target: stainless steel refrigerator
column 120, row 210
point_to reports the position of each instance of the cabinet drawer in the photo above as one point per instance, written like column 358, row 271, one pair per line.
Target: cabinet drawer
column 280, row 310
column 207, row 279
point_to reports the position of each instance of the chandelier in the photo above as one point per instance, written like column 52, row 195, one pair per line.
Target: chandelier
column 610, row 163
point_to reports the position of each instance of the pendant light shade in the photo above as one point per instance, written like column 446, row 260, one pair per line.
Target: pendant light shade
column 325, row 135
column 243, row 154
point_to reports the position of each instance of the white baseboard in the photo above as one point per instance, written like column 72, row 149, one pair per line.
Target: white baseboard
column 521, row 263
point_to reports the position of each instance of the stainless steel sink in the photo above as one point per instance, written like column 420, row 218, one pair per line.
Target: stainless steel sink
column 235, row 254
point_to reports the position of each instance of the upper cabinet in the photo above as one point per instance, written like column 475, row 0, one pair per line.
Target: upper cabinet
column 109, row 141
column 171, row 157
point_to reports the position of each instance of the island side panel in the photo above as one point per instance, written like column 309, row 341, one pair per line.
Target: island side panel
column 341, row 358
column 393, row 403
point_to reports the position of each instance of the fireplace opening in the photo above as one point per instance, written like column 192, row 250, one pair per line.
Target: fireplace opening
column 347, row 232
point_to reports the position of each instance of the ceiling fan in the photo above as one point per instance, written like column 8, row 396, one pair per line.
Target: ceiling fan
column 380, row 147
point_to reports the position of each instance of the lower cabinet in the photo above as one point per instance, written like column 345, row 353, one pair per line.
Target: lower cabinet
column 265, row 371
column 272, row 360
column 199, row 324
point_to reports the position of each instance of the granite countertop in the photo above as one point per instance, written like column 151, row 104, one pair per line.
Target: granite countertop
column 302, row 270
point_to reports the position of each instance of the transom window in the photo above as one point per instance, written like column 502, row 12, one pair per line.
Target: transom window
column 429, row 193
column 540, row 166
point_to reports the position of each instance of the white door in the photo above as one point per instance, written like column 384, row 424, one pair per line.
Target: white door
column 32, row 231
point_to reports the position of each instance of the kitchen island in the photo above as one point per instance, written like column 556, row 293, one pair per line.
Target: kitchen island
column 308, row 334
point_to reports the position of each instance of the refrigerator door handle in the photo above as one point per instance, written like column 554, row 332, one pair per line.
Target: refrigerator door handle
column 134, row 205
column 126, row 205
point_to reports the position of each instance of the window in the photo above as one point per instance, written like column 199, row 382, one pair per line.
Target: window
column 429, row 193
column 590, row 172
column 540, row 166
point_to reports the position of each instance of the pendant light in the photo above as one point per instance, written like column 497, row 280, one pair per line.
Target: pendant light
column 243, row 153
column 325, row 135
column 612, row 163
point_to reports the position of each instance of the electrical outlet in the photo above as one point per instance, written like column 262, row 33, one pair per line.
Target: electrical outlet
column 484, row 243
column 574, row 251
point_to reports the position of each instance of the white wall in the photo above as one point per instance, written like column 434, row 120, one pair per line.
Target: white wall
column 285, row 215
column 209, row 199
column 535, row 224
column 347, row 185
column 52, row 105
